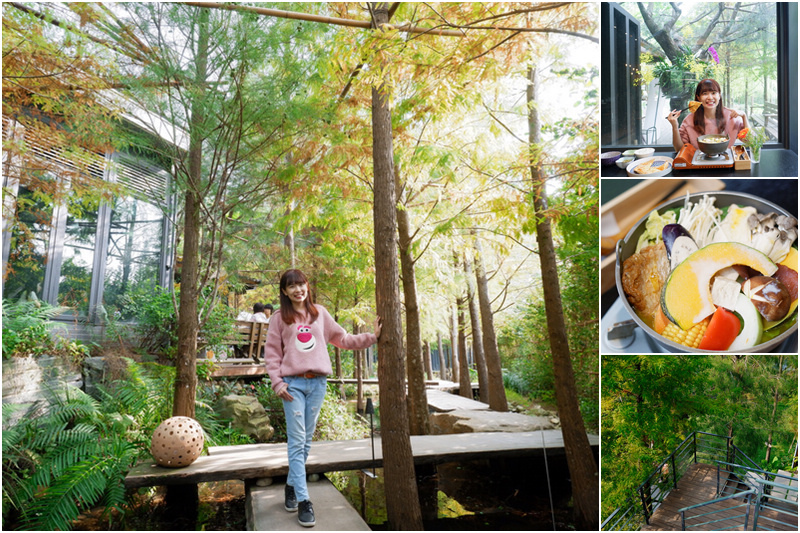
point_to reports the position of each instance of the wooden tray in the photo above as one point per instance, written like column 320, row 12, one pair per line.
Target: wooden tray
column 619, row 215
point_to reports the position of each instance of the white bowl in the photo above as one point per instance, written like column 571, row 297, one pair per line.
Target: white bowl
column 628, row 153
column 644, row 152
column 623, row 162
column 633, row 164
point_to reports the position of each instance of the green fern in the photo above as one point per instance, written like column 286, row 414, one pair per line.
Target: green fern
column 76, row 458
column 25, row 326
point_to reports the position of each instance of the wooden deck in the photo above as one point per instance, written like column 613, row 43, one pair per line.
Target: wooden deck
column 270, row 460
column 699, row 485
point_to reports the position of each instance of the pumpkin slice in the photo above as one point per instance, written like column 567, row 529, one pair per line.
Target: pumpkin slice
column 687, row 293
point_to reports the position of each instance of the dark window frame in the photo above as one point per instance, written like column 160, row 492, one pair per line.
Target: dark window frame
column 786, row 13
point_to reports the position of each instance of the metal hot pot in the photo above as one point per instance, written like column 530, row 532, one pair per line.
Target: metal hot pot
column 709, row 148
column 627, row 247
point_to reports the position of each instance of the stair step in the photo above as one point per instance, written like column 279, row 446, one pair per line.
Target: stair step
column 265, row 511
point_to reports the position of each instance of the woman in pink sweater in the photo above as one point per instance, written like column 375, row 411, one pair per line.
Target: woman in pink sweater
column 710, row 118
column 296, row 355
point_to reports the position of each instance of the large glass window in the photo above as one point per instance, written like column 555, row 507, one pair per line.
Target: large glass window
column 29, row 236
column 81, row 251
column 682, row 43
column 134, row 251
column 75, row 281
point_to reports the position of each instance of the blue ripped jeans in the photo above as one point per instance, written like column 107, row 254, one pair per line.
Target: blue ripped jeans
column 301, row 420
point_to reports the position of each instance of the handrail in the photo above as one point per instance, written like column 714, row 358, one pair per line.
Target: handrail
column 761, row 470
column 770, row 502
column 624, row 522
column 659, row 483
column 644, row 491
column 739, row 450
column 718, row 500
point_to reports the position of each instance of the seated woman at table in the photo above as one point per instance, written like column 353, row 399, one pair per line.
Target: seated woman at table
column 710, row 118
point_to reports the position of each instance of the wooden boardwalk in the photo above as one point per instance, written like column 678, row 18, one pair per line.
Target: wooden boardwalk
column 252, row 461
column 699, row 485
column 442, row 402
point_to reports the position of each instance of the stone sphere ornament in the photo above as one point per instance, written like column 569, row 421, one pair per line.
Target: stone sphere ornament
column 177, row 442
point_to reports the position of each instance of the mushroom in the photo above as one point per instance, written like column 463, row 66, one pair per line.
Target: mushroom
column 772, row 234
column 769, row 295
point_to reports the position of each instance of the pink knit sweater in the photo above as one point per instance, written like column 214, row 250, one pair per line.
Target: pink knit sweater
column 303, row 347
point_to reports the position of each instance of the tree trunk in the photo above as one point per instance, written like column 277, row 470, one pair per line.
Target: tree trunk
column 497, row 391
column 774, row 411
column 337, row 353
column 454, row 344
column 580, row 460
column 442, row 358
column 186, row 358
column 477, row 336
column 183, row 500
column 402, row 502
column 426, row 350
column 188, row 320
column 415, row 369
column 464, row 380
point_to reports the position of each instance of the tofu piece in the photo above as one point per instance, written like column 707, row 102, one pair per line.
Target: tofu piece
column 725, row 292
column 728, row 272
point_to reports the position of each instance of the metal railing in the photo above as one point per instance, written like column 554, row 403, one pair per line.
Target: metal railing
column 778, row 497
column 699, row 446
column 628, row 520
column 713, row 514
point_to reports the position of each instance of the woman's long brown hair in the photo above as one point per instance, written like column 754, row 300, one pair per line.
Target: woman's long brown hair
column 699, row 115
column 288, row 314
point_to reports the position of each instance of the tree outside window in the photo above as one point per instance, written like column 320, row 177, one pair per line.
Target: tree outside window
column 734, row 43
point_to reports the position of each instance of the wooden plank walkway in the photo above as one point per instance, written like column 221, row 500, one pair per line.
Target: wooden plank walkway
column 265, row 511
column 699, row 485
column 269, row 460
column 443, row 402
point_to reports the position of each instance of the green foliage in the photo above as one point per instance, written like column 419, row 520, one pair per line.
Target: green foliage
column 26, row 326
column 336, row 422
column 76, row 454
column 650, row 403
column 525, row 342
column 157, row 323
column 64, row 461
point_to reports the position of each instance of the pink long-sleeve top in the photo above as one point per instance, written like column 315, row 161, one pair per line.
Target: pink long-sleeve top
column 689, row 134
column 302, row 347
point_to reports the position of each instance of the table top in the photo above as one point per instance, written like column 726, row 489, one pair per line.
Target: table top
column 774, row 162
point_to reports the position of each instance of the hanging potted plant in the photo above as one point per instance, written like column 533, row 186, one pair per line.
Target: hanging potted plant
column 678, row 78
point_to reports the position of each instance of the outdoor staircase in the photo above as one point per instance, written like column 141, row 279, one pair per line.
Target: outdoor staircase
column 707, row 483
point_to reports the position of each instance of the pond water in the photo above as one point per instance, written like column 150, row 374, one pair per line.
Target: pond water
column 497, row 494
column 489, row 495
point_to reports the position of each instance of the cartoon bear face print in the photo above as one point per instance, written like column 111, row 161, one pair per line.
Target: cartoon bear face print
column 305, row 341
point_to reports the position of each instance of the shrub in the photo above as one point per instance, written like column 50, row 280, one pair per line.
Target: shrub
column 26, row 331
column 157, row 324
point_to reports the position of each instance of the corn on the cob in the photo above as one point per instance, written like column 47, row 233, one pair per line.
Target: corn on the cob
column 690, row 337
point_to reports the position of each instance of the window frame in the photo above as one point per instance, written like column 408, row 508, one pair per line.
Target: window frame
column 57, row 234
column 786, row 42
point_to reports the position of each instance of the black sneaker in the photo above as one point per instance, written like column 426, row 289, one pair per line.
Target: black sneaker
column 290, row 500
column 306, row 514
